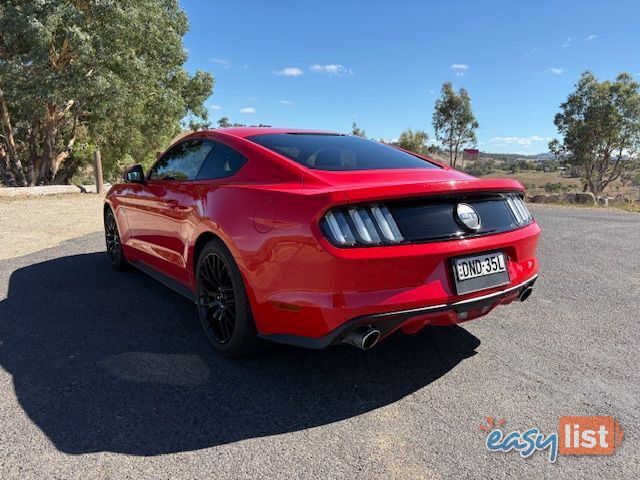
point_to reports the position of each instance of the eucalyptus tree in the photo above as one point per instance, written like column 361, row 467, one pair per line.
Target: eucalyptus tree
column 600, row 129
column 453, row 122
column 357, row 131
column 414, row 141
column 78, row 74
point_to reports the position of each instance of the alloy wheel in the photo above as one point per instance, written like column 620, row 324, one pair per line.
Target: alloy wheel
column 112, row 238
column 216, row 298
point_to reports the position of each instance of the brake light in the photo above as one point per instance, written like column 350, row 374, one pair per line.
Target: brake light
column 363, row 225
column 518, row 209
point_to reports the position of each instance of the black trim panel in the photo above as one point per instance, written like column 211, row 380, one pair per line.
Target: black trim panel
column 165, row 280
column 388, row 321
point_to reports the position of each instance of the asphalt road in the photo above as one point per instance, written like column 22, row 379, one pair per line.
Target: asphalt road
column 106, row 375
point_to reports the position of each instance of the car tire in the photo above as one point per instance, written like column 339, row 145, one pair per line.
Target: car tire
column 115, row 253
column 223, row 307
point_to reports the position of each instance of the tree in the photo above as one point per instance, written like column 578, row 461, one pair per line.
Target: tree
column 224, row 123
column 453, row 122
column 600, row 128
column 414, row 141
column 357, row 131
column 82, row 74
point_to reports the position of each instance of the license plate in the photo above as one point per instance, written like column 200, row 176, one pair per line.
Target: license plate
column 479, row 272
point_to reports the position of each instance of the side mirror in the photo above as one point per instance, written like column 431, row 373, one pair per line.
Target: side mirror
column 135, row 174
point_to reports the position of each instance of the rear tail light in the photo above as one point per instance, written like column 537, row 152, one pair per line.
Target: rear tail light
column 518, row 209
column 363, row 225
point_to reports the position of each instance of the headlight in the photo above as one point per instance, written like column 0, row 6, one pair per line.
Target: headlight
column 363, row 225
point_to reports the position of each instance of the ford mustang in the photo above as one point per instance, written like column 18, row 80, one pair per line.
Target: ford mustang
column 313, row 238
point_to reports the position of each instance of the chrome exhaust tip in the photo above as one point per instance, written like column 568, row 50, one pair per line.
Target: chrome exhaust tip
column 525, row 293
column 363, row 337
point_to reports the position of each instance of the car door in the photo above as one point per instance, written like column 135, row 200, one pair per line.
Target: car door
column 157, row 213
column 218, row 169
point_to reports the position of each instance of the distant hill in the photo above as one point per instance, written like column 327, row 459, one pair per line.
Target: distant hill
column 517, row 156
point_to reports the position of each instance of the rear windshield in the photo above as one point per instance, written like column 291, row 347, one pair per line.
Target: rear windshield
column 339, row 152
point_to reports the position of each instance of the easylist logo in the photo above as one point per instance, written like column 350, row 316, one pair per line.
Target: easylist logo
column 597, row 435
column 589, row 435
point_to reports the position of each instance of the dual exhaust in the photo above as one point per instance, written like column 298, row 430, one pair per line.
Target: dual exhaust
column 363, row 337
column 525, row 293
column 366, row 337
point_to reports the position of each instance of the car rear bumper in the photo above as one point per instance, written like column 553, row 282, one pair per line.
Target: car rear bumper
column 414, row 319
column 313, row 294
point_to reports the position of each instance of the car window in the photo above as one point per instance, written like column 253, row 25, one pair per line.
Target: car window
column 183, row 161
column 222, row 162
column 339, row 152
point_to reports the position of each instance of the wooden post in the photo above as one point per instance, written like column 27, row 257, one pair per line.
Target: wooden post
column 97, row 170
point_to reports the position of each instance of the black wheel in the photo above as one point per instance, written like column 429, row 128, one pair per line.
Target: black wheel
column 223, row 307
column 112, row 240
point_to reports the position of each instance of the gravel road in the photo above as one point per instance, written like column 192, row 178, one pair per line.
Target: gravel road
column 106, row 375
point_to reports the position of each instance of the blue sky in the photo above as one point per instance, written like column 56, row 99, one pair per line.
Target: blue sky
column 381, row 64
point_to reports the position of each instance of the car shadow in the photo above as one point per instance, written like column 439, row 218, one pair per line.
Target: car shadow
column 109, row 361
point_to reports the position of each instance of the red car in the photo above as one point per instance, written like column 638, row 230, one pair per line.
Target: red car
column 315, row 238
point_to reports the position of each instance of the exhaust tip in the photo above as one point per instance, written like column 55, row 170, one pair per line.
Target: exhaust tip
column 370, row 339
column 363, row 337
column 526, row 293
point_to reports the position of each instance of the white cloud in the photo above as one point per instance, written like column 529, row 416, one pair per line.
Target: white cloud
column 331, row 69
column 590, row 38
column 525, row 142
column 555, row 70
column 566, row 43
column 245, row 66
column 215, row 107
column 289, row 72
column 226, row 64
column 286, row 102
column 248, row 110
column 460, row 69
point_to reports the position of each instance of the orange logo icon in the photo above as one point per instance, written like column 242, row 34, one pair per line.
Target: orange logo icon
column 589, row 435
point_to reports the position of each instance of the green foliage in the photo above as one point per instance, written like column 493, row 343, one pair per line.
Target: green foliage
column 600, row 128
column 556, row 187
column 414, row 141
column 519, row 165
column 96, row 73
column 546, row 166
column 224, row 123
column 357, row 131
column 480, row 168
column 453, row 122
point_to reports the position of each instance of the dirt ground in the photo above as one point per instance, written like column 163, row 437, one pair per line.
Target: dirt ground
column 535, row 181
column 31, row 224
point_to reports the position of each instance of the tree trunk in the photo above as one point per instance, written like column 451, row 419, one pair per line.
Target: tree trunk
column 5, row 170
column 32, row 162
column 67, row 170
column 49, row 167
column 7, row 130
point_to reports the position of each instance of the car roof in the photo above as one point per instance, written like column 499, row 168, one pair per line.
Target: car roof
column 244, row 132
